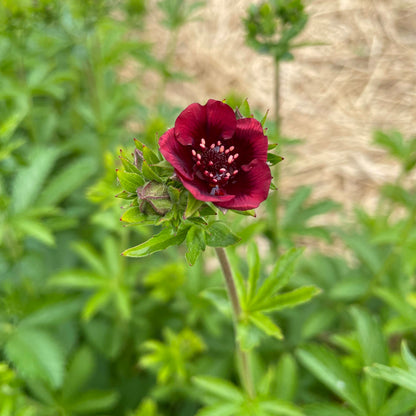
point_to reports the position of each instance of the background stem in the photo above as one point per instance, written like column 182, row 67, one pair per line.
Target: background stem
column 243, row 357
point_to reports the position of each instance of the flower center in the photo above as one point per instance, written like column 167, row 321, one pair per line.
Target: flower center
column 215, row 164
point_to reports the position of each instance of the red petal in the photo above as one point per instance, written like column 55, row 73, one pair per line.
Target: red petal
column 221, row 121
column 252, row 187
column 190, row 124
column 250, row 141
column 178, row 156
column 199, row 190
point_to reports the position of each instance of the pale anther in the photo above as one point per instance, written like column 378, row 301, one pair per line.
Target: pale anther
column 221, row 149
column 199, row 156
column 193, row 152
column 230, row 159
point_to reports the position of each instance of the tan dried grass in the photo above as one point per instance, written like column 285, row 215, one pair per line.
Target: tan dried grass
column 333, row 96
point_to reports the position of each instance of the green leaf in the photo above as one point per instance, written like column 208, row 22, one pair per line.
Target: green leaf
column 133, row 215
column 219, row 388
column 36, row 229
column 327, row 409
column 95, row 303
column 287, row 377
column 77, row 279
column 394, row 375
column 280, row 275
column 195, row 244
column 408, row 357
column 67, row 180
column 94, row 401
column 401, row 401
column 280, row 408
column 285, row 300
column 373, row 349
column 220, row 409
column 79, row 372
column 328, row 368
column 166, row 238
column 253, row 259
column 129, row 181
column 218, row 234
column 264, row 323
column 29, row 180
column 36, row 355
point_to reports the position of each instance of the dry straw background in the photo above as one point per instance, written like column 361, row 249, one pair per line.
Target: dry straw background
column 333, row 96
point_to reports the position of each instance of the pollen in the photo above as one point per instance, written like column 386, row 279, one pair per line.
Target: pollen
column 215, row 164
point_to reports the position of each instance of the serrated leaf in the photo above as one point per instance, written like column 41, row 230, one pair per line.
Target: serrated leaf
column 149, row 173
column 218, row 234
column 280, row 408
column 327, row 409
column 37, row 355
column 133, row 215
column 95, row 303
column 166, row 238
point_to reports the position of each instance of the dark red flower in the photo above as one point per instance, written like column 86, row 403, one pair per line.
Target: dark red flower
column 217, row 157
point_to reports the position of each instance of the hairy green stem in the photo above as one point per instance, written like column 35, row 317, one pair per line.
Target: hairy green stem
column 243, row 357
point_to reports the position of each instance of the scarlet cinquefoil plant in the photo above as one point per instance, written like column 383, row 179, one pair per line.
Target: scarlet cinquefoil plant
column 219, row 157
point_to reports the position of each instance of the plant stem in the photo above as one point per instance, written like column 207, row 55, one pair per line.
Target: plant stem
column 236, row 309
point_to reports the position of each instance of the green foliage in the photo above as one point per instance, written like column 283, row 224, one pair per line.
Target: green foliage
column 272, row 25
column 84, row 330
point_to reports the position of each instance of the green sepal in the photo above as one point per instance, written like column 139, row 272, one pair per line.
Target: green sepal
column 248, row 213
column 263, row 120
column 273, row 159
column 149, row 156
column 149, row 173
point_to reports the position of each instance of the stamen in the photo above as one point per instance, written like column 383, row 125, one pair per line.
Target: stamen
column 214, row 180
column 228, row 174
column 227, row 151
column 202, row 146
column 223, row 170
column 193, row 152
column 232, row 148
column 235, row 172
column 198, row 156
column 210, row 163
column 221, row 149
column 203, row 141
column 236, row 156
column 198, row 163
column 211, row 175
column 218, row 143
column 230, row 159
column 212, row 146
column 206, row 173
